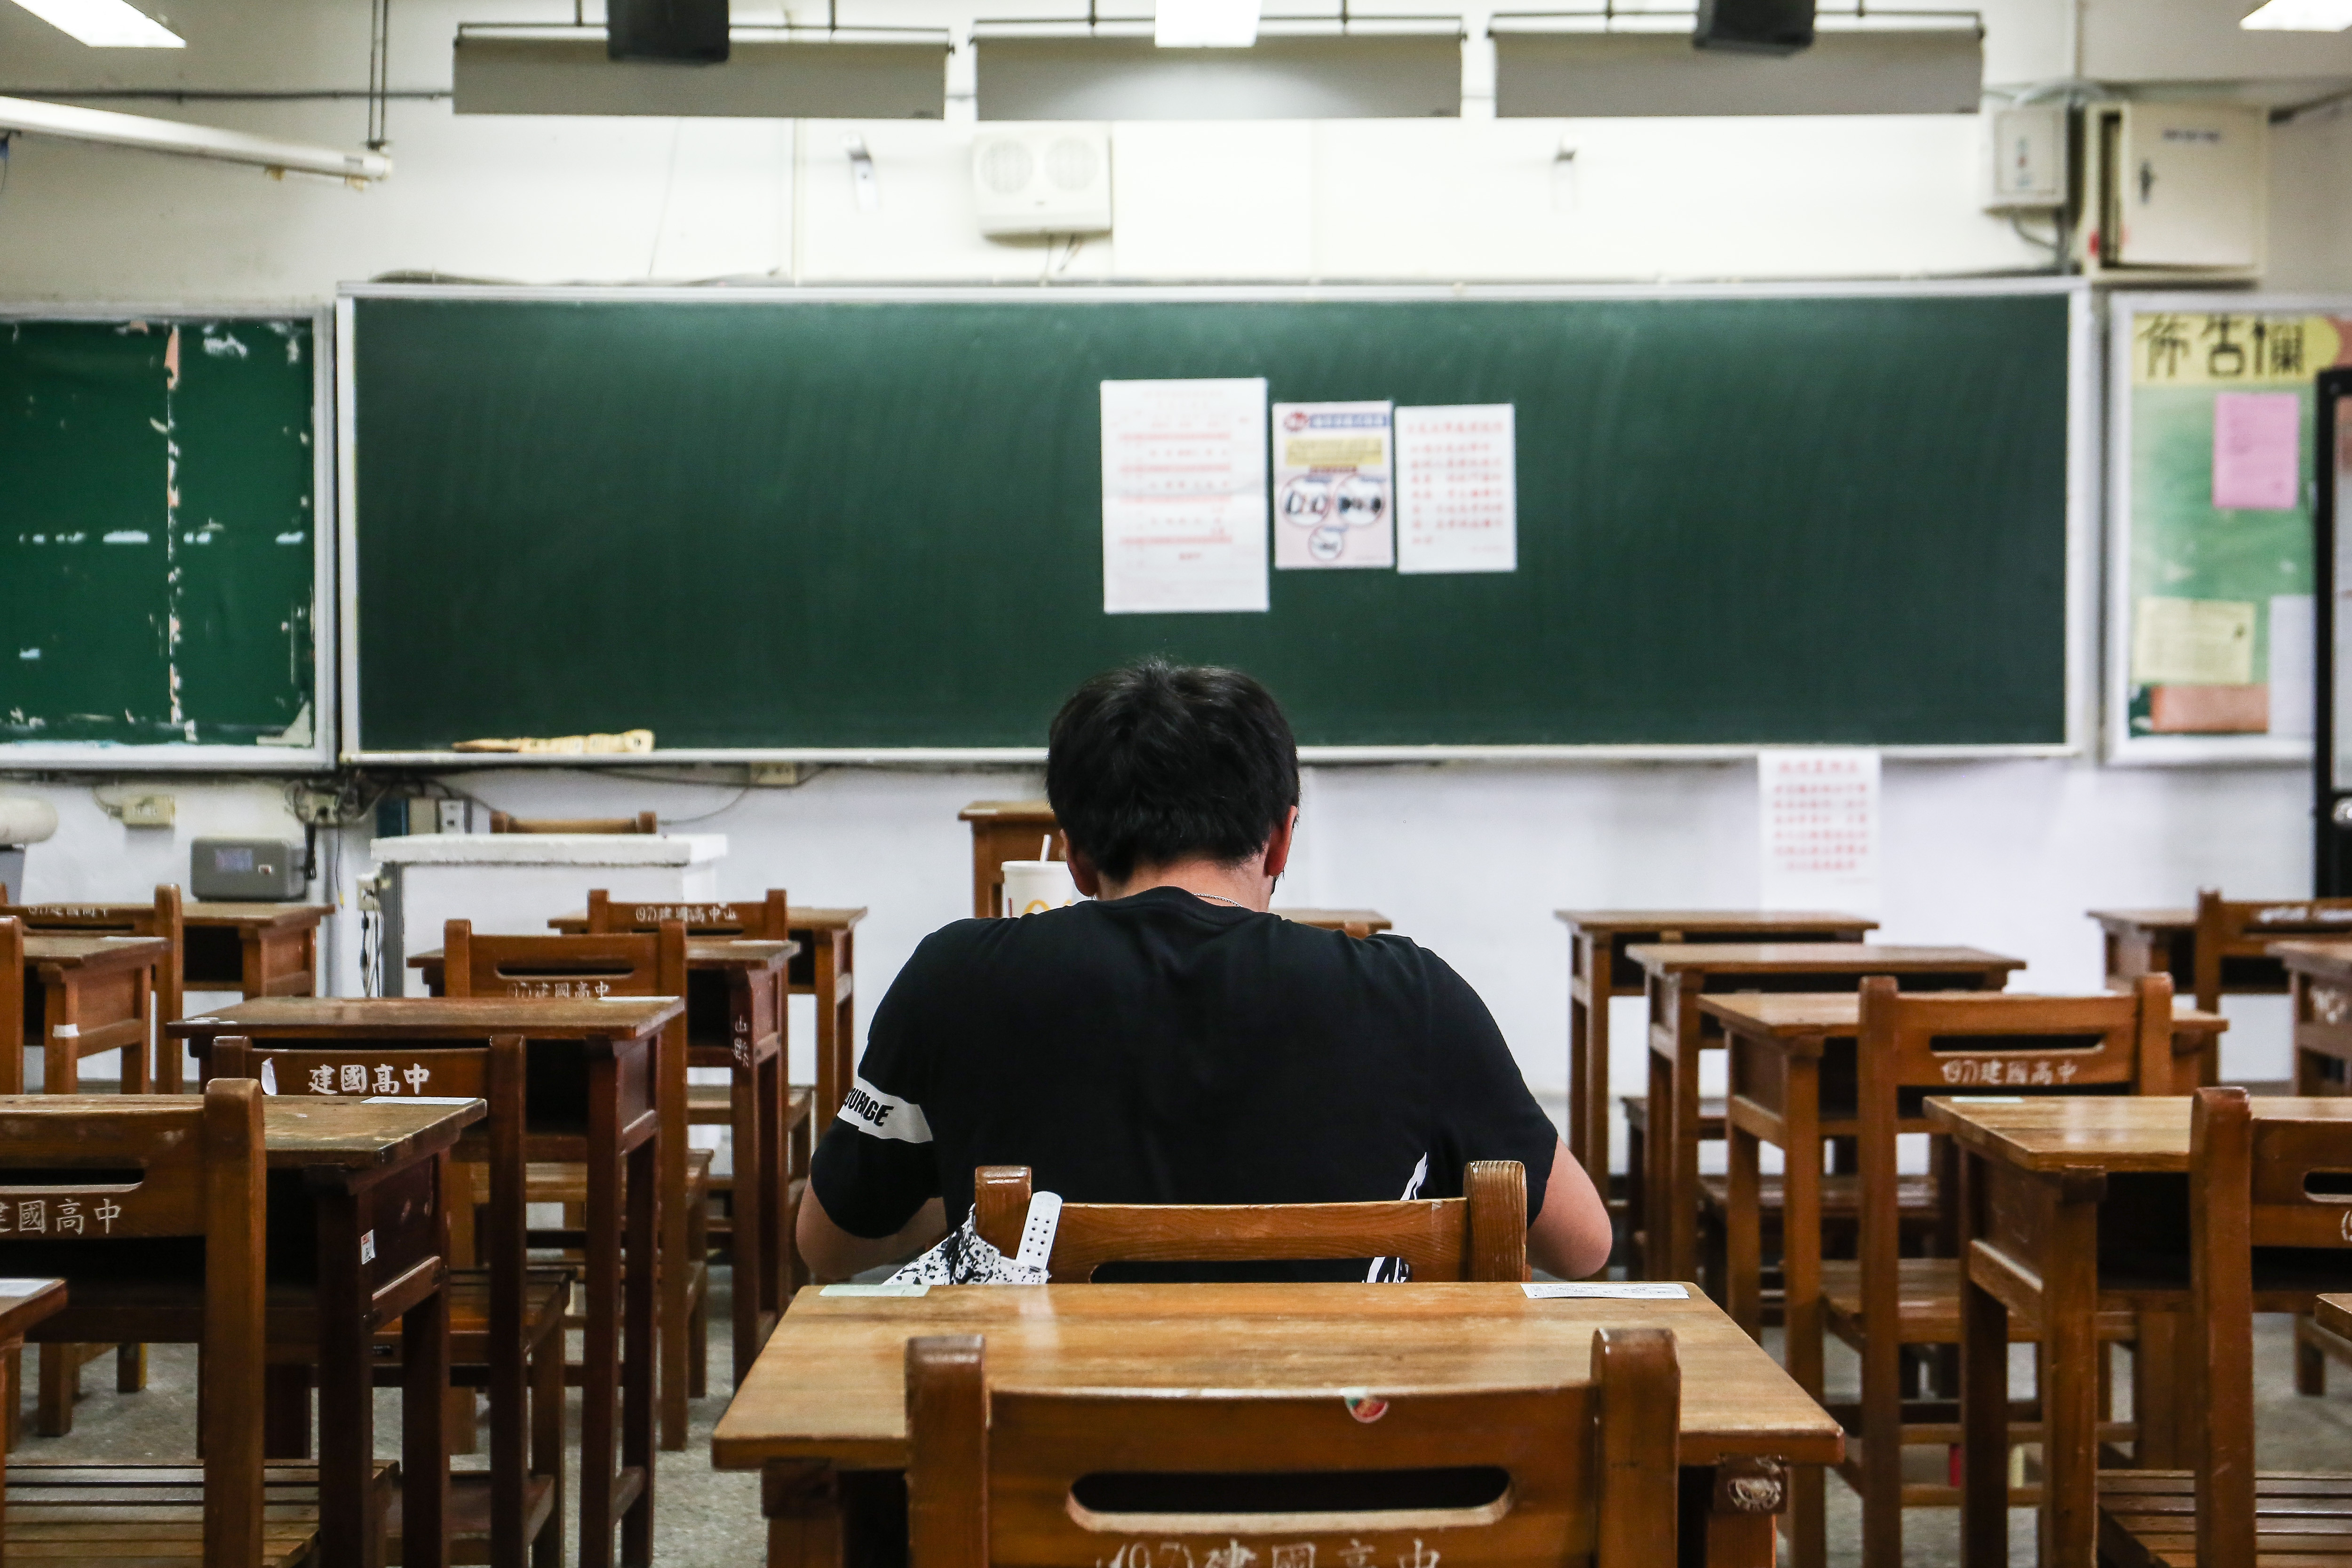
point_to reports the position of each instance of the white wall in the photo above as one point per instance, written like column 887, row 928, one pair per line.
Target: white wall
column 1471, row 859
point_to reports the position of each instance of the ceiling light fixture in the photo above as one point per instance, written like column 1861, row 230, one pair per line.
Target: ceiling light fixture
column 2300, row 17
column 104, row 125
column 1205, row 24
column 106, row 23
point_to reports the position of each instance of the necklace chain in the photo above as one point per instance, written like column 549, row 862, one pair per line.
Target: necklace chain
column 1221, row 899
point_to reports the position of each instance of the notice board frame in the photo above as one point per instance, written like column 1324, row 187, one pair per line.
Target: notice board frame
column 2082, row 505
column 2123, row 748
column 176, row 756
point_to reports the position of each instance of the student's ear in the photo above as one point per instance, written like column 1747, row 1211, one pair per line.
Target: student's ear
column 1277, row 848
column 1083, row 872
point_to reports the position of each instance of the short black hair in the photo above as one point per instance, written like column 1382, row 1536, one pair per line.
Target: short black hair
column 1159, row 761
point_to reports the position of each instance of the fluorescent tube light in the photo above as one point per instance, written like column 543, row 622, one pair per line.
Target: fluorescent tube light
column 106, row 23
column 103, row 125
column 1205, row 24
column 2300, row 17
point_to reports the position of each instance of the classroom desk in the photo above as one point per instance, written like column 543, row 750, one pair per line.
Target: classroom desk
column 592, row 1087
column 823, row 968
column 2164, row 941
column 1598, row 970
column 2335, row 1314
column 254, row 950
column 735, row 1019
column 1675, row 974
column 356, row 1237
column 84, row 996
column 23, row 1303
column 2088, row 1196
column 2319, row 978
column 828, row 1394
column 1781, row 1048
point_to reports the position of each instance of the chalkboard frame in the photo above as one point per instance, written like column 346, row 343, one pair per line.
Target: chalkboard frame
column 178, row 757
column 2120, row 747
column 2083, row 438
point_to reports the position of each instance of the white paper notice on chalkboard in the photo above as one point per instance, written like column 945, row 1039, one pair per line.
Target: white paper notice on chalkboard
column 1820, row 814
column 1183, row 497
column 1457, row 488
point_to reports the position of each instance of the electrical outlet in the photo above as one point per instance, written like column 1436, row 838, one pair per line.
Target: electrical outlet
column 451, row 815
column 146, row 810
column 782, row 775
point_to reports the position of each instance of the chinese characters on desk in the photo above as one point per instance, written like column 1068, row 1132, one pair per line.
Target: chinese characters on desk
column 1819, row 809
column 1457, row 479
column 1184, row 496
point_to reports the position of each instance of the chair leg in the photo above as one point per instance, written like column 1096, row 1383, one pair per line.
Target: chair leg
column 2310, row 1362
column 130, row 1369
column 697, row 1336
column 547, row 1444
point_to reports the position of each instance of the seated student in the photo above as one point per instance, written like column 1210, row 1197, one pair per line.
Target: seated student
column 1173, row 1042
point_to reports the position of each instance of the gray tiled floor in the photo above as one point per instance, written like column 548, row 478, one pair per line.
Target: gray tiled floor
column 706, row 1519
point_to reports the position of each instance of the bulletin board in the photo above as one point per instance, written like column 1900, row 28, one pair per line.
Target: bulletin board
column 162, row 479
column 2212, row 409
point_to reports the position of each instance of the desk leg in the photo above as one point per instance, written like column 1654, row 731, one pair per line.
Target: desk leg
column 2157, row 1386
column 1657, row 1148
column 802, row 1502
column 347, row 1524
column 2070, row 1374
column 752, row 1119
column 599, row 1375
column 1588, row 1063
column 1743, row 1241
column 637, row 1353
column 1682, row 1196
column 60, row 1364
column 1984, row 1394
column 1801, row 1295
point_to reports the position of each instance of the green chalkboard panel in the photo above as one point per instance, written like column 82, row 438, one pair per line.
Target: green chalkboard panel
column 156, row 531
column 771, row 522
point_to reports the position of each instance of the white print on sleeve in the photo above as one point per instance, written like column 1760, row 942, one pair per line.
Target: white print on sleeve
column 885, row 1116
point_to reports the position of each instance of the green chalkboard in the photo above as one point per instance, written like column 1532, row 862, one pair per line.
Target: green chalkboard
column 156, row 531
column 766, row 522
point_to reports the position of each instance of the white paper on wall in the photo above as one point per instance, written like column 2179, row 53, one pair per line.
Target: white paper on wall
column 1334, row 486
column 1819, row 812
column 1183, row 498
column 1457, row 488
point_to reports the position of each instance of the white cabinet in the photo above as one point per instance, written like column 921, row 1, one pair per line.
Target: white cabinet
column 2176, row 188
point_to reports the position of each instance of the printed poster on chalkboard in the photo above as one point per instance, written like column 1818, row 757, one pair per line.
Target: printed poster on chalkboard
column 1183, row 501
column 1457, row 488
column 1334, row 486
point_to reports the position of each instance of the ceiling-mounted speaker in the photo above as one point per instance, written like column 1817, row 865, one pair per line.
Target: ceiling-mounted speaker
column 1755, row 26
column 694, row 31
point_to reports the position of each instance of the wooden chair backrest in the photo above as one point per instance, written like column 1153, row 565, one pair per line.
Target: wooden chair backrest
column 620, row 964
column 1150, row 1478
column 1958, row 1042
column 2239, row 929
column 765, row 920
column 1480, row 1236
column 644, row 822
column 2274, row 1181
column 201, row 1173
column 491, row 1071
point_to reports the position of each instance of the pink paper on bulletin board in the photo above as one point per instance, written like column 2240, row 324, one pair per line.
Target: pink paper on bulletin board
column 2257, row 450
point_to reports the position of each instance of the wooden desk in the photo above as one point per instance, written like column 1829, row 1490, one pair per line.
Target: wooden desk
column 828, row 1394
column 84, row 996
column 1781, row 1047
column 2335, row 1315
column 1005, row 830
column 591, row 1088
column 2038, row 1175
column 1675, row 974
column 2319, row 978
column 254, row 950
column 825, row 968
column 2164, row 941
column 1598, row 970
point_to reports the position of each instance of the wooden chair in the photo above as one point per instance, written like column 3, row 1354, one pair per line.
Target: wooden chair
column 731, row 1104
column 2255, row 1184
column 166, row 921
column 1480, row 1236
column 1910, row 1046
column 506, row 1319
column 644, row 822
column 1564, row 1474
column 175, row 1190
column 2233, row 938
column 627, row 966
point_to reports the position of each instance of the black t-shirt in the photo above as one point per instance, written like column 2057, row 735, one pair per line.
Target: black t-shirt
column 1162, row 1048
